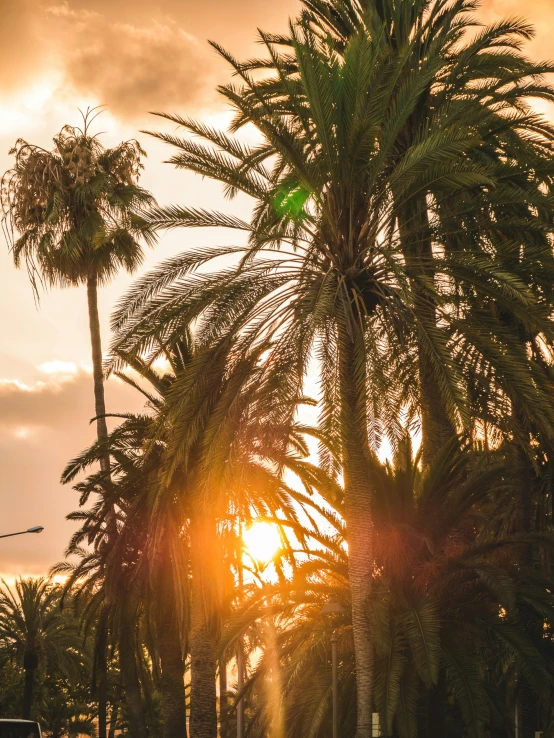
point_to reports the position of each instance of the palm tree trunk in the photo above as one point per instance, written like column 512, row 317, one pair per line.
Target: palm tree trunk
column 168, row 622
column 97, row 372
column 203, row 637
column 358, row 517
column 436, row 704
column 529, row 701
column 113, row 720
column 223, row 697
column 99, row 686
column 172, row 668
column 102, row 703
column 129, row 676
column 417, row 247
column 102, row 435
column 28, row 692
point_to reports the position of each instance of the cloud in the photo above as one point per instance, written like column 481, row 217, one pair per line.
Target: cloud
column 22, row 44
column 139, row 56
column 142, row 55
column 56, row 368
column 132, row 55
column 232, row 23
column 42, row 426
column 131, row 67
column 61, row 403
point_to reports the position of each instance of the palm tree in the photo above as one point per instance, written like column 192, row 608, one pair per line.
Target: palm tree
column 448, row 605
column 106, row 578
column 458, row 79
column 453, row 581
column 211, row 437
column 66, row 709
column 476, row 84
column 327, row 178
column 33, row 629
column 222, row 443
column 73, row 216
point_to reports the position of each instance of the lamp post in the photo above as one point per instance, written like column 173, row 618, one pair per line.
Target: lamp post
column 240, row 661
column 35, row 529
column 330, row 610
column 240, row 653
column 334, row 640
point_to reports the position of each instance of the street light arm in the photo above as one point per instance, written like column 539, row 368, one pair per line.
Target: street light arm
column 36, row 529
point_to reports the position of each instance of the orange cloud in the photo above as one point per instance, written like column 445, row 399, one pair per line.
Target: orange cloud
column 131, row 67
column 42, row 426
column 22, row 44
column 132, row 55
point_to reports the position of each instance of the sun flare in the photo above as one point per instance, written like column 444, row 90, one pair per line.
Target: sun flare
column 262, row 541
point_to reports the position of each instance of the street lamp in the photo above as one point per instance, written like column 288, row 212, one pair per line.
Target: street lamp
column 240, row 658
column 331, row 610
column 35, row 529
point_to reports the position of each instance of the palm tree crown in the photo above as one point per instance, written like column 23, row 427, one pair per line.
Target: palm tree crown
column 33, row 628
column 76, row 209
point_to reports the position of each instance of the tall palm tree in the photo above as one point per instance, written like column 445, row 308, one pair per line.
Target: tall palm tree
column 477, row 82
column 34, row 629
column 73, row 218
column 330, row 179
column 457, row 81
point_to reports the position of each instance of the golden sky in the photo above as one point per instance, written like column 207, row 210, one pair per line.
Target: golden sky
column 134, row 56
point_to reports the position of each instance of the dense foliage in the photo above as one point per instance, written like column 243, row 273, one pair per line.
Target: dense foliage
column 401, row 250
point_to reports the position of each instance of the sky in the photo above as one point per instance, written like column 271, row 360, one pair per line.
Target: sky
column 134, row 56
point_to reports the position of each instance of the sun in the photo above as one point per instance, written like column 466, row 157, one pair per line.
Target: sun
column 262, row 541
